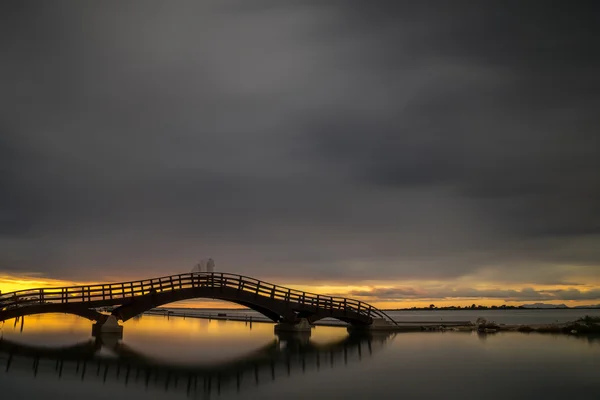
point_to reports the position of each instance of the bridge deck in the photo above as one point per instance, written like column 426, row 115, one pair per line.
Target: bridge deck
column 92, row 296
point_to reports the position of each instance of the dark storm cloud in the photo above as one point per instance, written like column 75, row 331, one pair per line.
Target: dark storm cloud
column 505, row 112
column 336, row 142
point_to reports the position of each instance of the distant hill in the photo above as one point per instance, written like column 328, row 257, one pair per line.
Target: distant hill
column 544, row 305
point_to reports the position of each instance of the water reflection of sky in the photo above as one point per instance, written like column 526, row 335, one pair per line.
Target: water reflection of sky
column 189, row 340
column 411, row 365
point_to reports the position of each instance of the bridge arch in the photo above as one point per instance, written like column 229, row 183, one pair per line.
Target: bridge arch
column 133, row 298
column 140, row 305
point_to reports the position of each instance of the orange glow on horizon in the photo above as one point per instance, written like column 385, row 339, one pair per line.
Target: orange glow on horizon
column 9, row 283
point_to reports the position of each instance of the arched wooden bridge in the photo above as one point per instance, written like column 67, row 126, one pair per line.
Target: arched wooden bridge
column 278, row 303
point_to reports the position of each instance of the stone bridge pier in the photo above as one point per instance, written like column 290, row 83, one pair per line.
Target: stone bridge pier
column 303, row 325
column 108, row 327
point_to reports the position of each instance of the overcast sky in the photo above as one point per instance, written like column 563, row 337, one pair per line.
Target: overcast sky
column 302, row 141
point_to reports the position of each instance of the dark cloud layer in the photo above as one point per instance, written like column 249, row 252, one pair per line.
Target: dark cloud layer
column 333, row 141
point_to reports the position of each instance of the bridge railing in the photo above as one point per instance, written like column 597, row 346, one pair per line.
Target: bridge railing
column 115, row 291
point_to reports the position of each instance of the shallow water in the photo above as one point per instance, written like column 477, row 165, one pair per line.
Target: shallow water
column 54, row 356
column 509, row 317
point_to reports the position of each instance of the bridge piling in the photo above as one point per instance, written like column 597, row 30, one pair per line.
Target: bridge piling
column 109, row 329
column 302, row 326
column 378, row 325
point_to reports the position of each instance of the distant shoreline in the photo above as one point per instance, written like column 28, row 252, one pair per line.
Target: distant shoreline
column 409, row 309
column 585, row 325
column 490, row 309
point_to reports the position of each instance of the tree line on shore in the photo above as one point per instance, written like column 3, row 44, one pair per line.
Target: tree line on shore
column 471, row 307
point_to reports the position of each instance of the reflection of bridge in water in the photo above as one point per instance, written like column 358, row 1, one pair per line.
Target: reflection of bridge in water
column 283, row 357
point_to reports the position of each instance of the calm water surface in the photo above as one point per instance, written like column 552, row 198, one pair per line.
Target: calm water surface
column 55, row 356
column 509, row 317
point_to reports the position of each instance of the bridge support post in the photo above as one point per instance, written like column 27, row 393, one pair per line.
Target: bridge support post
column 110, row 326
column 378, row 325
column 302, row 326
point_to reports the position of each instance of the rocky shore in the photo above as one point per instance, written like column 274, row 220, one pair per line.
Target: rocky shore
column 583, row 326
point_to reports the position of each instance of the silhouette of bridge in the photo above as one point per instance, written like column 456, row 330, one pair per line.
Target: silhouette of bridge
column 278, row 303
column 278, row 359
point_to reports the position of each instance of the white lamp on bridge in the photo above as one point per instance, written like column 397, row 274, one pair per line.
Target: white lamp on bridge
column 205, row 265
